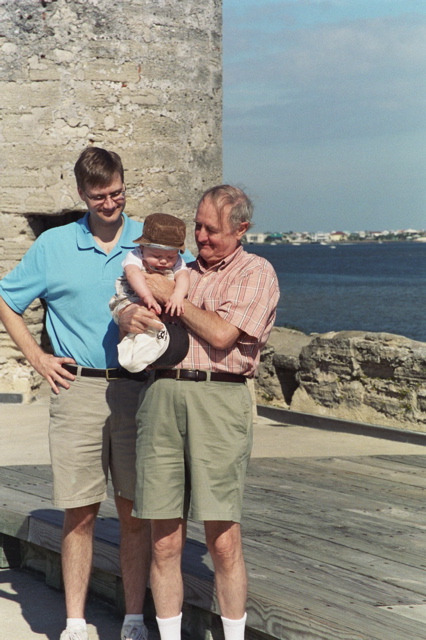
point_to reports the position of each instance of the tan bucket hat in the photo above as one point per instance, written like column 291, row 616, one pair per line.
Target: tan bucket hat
column 163, row 231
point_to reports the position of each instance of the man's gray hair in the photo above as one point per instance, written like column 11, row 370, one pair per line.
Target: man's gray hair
column 241, row 205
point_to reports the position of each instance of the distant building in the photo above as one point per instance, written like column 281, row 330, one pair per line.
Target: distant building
column 256, row 238
column 321, row 237
column 338, row 236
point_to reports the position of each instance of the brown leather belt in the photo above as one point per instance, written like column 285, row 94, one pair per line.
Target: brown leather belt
column 198, row 376
column 108, row 374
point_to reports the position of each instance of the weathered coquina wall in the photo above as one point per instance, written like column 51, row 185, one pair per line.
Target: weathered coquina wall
column 139, row 77
column 376, row 378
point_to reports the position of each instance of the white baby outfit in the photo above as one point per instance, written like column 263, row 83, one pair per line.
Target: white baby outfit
column 137, row 351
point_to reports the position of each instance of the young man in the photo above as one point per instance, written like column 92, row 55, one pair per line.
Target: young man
column 92, row 417
column 229, row 314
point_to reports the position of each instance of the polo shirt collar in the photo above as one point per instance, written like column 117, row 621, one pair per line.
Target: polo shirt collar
column 85, row 237
column 128, row 234
column 223, row 263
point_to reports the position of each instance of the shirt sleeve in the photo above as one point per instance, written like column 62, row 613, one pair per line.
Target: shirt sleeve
column 180, row 265
column 251, row 301
column 27, row 281
column 133, row 257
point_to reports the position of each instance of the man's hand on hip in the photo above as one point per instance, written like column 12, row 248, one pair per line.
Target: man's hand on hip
column 50, row 367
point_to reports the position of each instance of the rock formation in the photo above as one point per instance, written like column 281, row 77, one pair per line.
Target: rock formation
column 376, row 378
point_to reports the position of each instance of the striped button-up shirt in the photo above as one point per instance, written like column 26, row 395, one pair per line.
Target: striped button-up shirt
column 243, row 290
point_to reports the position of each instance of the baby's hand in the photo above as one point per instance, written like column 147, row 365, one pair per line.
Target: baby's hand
column 174, row 305
column 151, row 303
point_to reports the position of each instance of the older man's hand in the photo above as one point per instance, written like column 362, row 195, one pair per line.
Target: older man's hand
column 161, row 287
column 135, row 318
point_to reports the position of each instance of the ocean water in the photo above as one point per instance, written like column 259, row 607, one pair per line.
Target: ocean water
column 364, row 287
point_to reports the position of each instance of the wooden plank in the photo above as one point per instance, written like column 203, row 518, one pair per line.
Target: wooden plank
column 323, row 592
column 105, row 555
column 324, row 503
column 270, row 615
column 13, row 523
column 274, row 466
column 414, row 460
column 317, row 618
column 10, row 552
column 383, row 522
column 362, row 562
column 326, row 562
column 275, row 539
column 22, row 502
column 287, row 592
column 329, row 543
column 334, row 518
column 265, row 617
column 405, row 546
column 290, row 492
column 282, row 565
column 353, row 468
column 41, row 472
column 402, row 464
column 324, row 473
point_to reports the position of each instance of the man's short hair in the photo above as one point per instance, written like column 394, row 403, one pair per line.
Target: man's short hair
column 241, row 205
column 97, row 167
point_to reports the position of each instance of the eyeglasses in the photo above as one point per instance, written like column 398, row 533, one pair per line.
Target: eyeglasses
column 117, row 196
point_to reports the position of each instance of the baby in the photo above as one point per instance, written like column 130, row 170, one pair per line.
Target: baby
column 158, row 252
column 162, row 239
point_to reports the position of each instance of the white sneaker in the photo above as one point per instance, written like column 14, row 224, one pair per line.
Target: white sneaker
column 74, row 634
column 134, row 631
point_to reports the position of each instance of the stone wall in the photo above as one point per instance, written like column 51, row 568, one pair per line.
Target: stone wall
column 139, row 77
column 375, row 378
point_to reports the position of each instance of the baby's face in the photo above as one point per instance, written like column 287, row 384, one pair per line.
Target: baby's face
column 160, row 258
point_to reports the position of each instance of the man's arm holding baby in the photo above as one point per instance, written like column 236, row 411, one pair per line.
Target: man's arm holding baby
column 136, row 318
column 208, row 325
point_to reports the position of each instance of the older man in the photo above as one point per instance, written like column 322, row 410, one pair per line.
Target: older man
column 195, row 421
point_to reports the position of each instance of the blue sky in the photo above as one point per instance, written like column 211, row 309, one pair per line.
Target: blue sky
column 325, row 112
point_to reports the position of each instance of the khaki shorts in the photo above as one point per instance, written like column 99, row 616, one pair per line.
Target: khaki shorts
column 193, row 446
column 92, row 430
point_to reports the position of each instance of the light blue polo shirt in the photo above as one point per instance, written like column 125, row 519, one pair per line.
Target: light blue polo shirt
column 69, row 270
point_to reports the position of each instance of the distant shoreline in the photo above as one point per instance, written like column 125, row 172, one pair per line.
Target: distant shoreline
column 337, row 243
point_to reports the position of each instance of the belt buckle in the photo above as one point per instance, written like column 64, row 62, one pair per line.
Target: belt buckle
column 195, row 375
column 110, row 376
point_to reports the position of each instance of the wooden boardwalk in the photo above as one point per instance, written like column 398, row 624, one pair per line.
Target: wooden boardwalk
column 335, row 547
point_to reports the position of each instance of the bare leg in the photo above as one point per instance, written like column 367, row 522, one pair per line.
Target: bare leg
column 225, row 546
column 135, row 555
column 168, row 538
column 77, row 554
